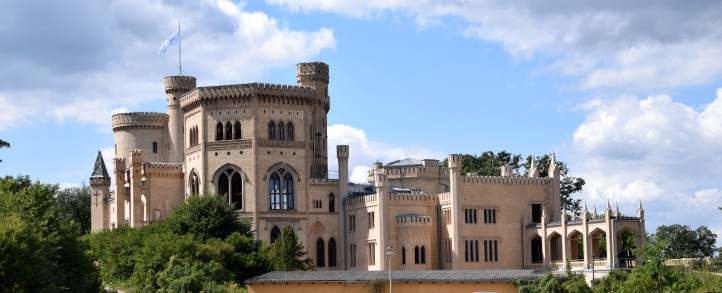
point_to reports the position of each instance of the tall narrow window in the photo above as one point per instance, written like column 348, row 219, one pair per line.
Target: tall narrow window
column 271, row 130
column 289, row 131
column 237, row 130
column 193, row 180
column 403, row 255
column 536, row 213
column 155, row 147
column 423, row 254
column 331, row 203
column 230, row 186
column 275, row 233
column 332, row 252
column 417, row 257
column 219, row 131
column 223, row 185
column 281, row 131
column 281, row 190
column 352, row 255
column 370, row 217
column 275, row 190
column 320, row 253
column 372, row 253
column 229, row 130
column 352, row 223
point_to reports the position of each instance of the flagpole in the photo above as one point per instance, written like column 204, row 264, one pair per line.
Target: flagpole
column 180, row 40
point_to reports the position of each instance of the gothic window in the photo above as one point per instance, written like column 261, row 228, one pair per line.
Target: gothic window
column 144, row 207
column 320, row 253
column 281, row 131
column 271, row 130
column 403, row 255
column 417, row 257
column 155, row 147
column 289, row 131
column 219, row 131
column 332, row 252
column 229, row 130
column 190, row 137
column 230, row 186
column 194, row 184
column 331, row 203
column 237, row 130
column 423, row 254
column 281, row 190
column 275, row 233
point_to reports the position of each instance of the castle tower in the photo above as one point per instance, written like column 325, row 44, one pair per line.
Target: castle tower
column 315, row 75
column 381, row 186
column 145, row 131
column 175, row 87
column 100, row 196
column 456, row 206
column 342, row 154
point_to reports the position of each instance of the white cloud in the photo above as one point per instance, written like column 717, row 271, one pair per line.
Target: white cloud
column 364, row 151
column 88, row 74
column 609, row 44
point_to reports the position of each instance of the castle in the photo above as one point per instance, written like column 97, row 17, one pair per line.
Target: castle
column 263, row 147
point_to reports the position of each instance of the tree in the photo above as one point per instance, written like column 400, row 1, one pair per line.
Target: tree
column 206, row 216
column 287, row 253
column 4, row 144
column 74, row 205
column 685, row 243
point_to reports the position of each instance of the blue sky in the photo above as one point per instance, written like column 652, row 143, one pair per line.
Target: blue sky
column 625, row 93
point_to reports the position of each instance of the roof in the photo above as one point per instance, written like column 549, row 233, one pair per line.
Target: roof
column 99, row 169
column 405, row 162
column 417, row 276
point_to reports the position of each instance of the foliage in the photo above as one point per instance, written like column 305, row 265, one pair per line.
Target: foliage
column 684, row 242
column 4, row 144
column 40, row 249
column 377, row 285
column 201, row 247
column 74, row 205
column 287, row 253
column 489, row 164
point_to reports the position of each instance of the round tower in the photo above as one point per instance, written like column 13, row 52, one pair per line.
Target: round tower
column 147, row 131
column 315, row 75
column 175, row 86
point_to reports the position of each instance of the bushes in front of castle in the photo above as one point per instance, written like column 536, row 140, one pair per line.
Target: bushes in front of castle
column 287, row 253
column 202, row 246
column 40, row 248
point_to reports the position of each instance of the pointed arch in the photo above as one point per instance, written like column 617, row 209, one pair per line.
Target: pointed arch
column 271, row 130
column 289, row 130
column 193, row 182
column 331, row 203
column 320, row 253
column 230, row 180
column 417, row 257
column 536, row 249
column 281, row 132
column 155, row 147
column 332, row 252
column 275, row 233
column 219, row 131
column 229, row 130
column 144, row 208
column 281, row 187
column 237, row 130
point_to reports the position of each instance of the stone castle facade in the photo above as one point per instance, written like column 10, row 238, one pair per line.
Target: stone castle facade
column 263, row 147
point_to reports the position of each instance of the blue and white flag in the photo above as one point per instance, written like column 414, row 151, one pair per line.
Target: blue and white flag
column 169, row 41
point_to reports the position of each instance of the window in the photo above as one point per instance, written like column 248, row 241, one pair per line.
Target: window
column 280, row 131
column 332, row 252
column 372, row 253
column 352, row 223
column 423, row 254
column 489, row 216
column 155, row 147
column 271, row 130
column 237, row 130
column 471, row 251
column 448, row 250
column 219, row 131
column 193, row 136
column 320, row 253
column 230, row 185
column 144, row 207
column 317, row 204
column 331, row 203
column 371, row 219
column 419, row 254
column 281, row 190
column 491, row 252
column 403, row 255
column 193, row 181
column 447, row 216
column 352, row 255
column 536, row 213
column 275, row 233
column 470, row 216
column 229, row 130
column 289, row 131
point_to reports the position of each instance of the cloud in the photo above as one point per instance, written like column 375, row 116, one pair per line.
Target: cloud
column 82, row 61
column 611, row 44
column 653, row 149
column 364, row 151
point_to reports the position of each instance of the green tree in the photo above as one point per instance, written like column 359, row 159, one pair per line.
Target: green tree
column 684, row 242
column 74, row 205
column 206, row 216
column 287, row 253
column 4, row 144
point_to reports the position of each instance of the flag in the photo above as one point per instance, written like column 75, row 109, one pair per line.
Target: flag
column 169, row 41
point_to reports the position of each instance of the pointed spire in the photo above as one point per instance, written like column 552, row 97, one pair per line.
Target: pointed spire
column 640, row 210
column 99, row 170
column 595, row 210
column 616, row 210
column 609, row 205
column 533, row 168
column 552, row 165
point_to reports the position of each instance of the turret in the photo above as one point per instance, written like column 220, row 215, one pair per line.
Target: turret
column 315, row 75
column 381, row 186
column 455, row 163
column 175, row 87
column 342, row 154
column 100, row 196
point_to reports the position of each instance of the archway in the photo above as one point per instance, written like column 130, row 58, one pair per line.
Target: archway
column 320, row 253
column 598, row 238
column 537, row 255
column 229, row 184
column 626, row 247
column 275, row 233
column 332, row 252
column 576, row 245
column 555, row 245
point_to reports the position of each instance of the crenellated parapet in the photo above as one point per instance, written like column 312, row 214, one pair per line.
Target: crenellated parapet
column 162, row 169
column 361, row 199
column 507, row 180
column 179, row 83
column 249, row 92
column 139, row 120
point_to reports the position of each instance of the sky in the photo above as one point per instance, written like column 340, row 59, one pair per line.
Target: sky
column 627, row 93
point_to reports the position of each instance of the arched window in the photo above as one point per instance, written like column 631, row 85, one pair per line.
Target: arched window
column 417, row 257
column 229, row 130
column 230, row 186
column 219, row 131
column 194, row 184
column 281, row 131
column 271, row 130
column 275, row 232
column 280, row 187
column 403, row 255
column 144, row 207
column 237, row 130
column 190, row 137
column 155, row 147
column 331, row 203
column 423, row 254
column 289, row 131
column 332, row 252
column 320, row 253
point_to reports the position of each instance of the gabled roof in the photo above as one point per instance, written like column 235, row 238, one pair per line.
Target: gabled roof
column 99, row 169
column 405, row 162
